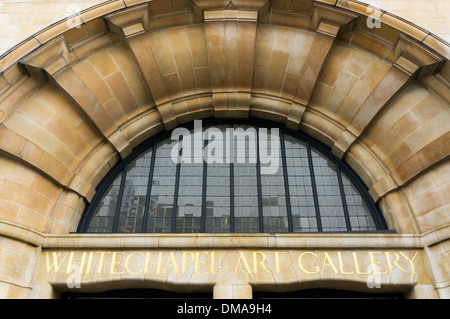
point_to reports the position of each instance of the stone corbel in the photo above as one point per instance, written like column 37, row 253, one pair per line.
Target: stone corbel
column 129, row 22
column 243, row 11
column 415, row 59
column 208, row 5
column 295, row 116
column 332, row 21
column 48, row 60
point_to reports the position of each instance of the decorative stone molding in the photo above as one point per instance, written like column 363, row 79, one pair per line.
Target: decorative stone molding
column 331, row 20
column 129, row 22
column 51, row 58
column 135, row 68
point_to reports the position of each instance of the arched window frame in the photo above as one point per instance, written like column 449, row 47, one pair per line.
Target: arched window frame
column 341, row 166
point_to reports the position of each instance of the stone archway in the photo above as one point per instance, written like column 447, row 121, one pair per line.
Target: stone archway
column 74, row 101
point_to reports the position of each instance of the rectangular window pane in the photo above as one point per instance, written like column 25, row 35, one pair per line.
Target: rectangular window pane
column 359, row 213
column 218, row 199
column 272, row 185
column 189, row 207
column 328, row 193
column 300, row 186
column 103, row 218
column 163, row 186
column 134, row 194
column 246, row 214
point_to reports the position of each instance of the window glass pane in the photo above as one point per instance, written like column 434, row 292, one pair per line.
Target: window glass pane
column 246, row 214
column 134, row 194
column 103, row 218
column 359, row 213
column 163, row 187
column 300, row 186
column 218, row 182
column 189, row 205
column 273, row 189
column 328, row 193
column 236, row 195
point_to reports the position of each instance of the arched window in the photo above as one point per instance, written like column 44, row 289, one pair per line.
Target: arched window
column 231, row 177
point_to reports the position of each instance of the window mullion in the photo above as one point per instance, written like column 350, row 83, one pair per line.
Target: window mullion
column 344, row 201
column 231, row 150
column 258, row 181
column 149, row 189
column 205, row 171
column 314, row 188
column 119, row 199
column 286, row 183
column 177, row 185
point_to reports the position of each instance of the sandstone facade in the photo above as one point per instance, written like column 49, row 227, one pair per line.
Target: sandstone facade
column 76, row 99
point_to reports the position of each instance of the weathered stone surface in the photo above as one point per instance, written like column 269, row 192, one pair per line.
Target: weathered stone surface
column 74, row 101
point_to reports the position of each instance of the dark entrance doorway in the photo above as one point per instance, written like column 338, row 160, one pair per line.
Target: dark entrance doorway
column 326, row 294
column 301, row 294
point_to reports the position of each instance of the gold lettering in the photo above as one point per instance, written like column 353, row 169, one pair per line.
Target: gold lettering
column 69, row 264
column 373, row 262
column 128, row 259
column 245, row 263
column 355, row 260
column 328, row 261
column 210, row 262
column 114, row 262
column 89, row 263
column 158, row 263
column 212, row 270
column 100, row 262
column 173, row 262
column 256, row 262
column 300, row 264
column 197, row 262
column 390, row 262
column 184, row 262
column 411, row 261
column 341, row 265
column 55, row 263
column 277, row 260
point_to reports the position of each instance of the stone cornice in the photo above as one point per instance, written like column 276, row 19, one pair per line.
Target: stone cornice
column 224, row 241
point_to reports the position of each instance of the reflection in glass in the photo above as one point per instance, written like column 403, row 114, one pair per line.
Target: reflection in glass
column 360, row 216
column 103, row 218
column 134, row 195
column 230, row 190
column 328, row 193
column 189, row 204
column 273, row 192
column 300, row 187
column 218, row 208
column 160, row 210
column 246, row 213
